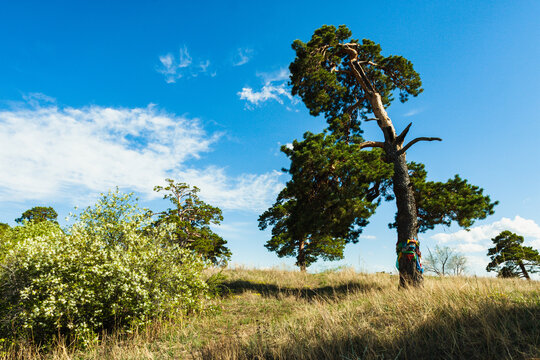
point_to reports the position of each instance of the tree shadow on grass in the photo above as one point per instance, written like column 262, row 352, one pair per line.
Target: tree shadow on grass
column 307, row 293
column 492, row 331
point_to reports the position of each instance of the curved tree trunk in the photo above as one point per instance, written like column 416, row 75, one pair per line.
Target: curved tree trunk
column 407, row 218
column 407, row 221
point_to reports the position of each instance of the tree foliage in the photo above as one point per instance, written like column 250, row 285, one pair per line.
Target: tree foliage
column 3, row 228
column 445, row 261
column 321, row 77
column 331, row 194
column 510, row 258
column 441, row 203
column 37, row 214
column 191, row 218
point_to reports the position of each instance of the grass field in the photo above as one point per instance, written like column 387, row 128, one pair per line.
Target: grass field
column 278, row 314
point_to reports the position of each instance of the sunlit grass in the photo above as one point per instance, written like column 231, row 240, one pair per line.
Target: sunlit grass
column 279, row 314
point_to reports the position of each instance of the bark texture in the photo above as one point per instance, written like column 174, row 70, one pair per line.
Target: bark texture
column 301, row 258
column 407, row 220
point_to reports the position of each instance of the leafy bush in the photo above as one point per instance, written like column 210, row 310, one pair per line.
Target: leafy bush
column 103, row 273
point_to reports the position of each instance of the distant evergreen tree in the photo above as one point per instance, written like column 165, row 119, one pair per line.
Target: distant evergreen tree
column 38, row 214
column 510, row 258
column 191, row 218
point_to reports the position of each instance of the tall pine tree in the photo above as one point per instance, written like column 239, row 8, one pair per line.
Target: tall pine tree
column 348, row 81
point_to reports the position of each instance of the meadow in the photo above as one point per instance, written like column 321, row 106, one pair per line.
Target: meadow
column 341, row 314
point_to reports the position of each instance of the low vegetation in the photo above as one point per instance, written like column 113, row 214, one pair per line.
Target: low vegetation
column 279, row 314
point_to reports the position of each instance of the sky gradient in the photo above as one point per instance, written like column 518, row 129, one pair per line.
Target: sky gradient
column 97, row 94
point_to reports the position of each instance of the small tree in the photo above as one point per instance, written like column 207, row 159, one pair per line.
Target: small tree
column 510, row 258
column 191, row 218
column 37, row 214
column 444, row 261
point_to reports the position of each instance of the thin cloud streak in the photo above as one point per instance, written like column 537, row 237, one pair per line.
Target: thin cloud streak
column 243, row 56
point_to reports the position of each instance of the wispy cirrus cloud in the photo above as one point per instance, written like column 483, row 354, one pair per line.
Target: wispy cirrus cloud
column 51, row 152
column 413, row 112
column 243, row 56
column 275, row 87
column 174, row 68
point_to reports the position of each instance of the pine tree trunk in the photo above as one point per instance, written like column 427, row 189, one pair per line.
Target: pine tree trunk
column 407, row 222
column 406, row 219
column 301, row 258
column 524, row 271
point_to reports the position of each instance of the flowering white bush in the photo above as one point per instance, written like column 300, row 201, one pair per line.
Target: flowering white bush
column 105, row 272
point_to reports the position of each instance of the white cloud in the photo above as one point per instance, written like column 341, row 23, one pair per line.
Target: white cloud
column 52, row 153
column 476, row 242
column 243, row 56
column 275, row 87
column 484, row 233
column 476, row 265
column 267, row 92
column 470, row 247
column 246, row 192
column 174, row 69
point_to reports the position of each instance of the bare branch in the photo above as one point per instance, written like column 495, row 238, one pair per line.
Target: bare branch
column 370, row 63
column 367, row 144
column 417, row 140
column 358, row 69
column 401, row 137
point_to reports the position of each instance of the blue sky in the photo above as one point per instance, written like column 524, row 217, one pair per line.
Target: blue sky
column 99, row 94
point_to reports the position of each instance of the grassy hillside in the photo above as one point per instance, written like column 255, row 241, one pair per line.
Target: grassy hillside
column 274, row 314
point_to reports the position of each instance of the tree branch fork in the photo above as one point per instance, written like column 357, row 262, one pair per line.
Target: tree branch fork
column 358, row 72
column 399, row 140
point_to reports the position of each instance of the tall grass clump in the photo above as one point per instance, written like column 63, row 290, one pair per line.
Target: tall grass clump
column 109, row 271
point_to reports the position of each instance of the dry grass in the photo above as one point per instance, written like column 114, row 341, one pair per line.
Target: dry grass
column 277, row 314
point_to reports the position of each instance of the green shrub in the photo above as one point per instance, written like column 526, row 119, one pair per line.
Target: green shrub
column 102, row 273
